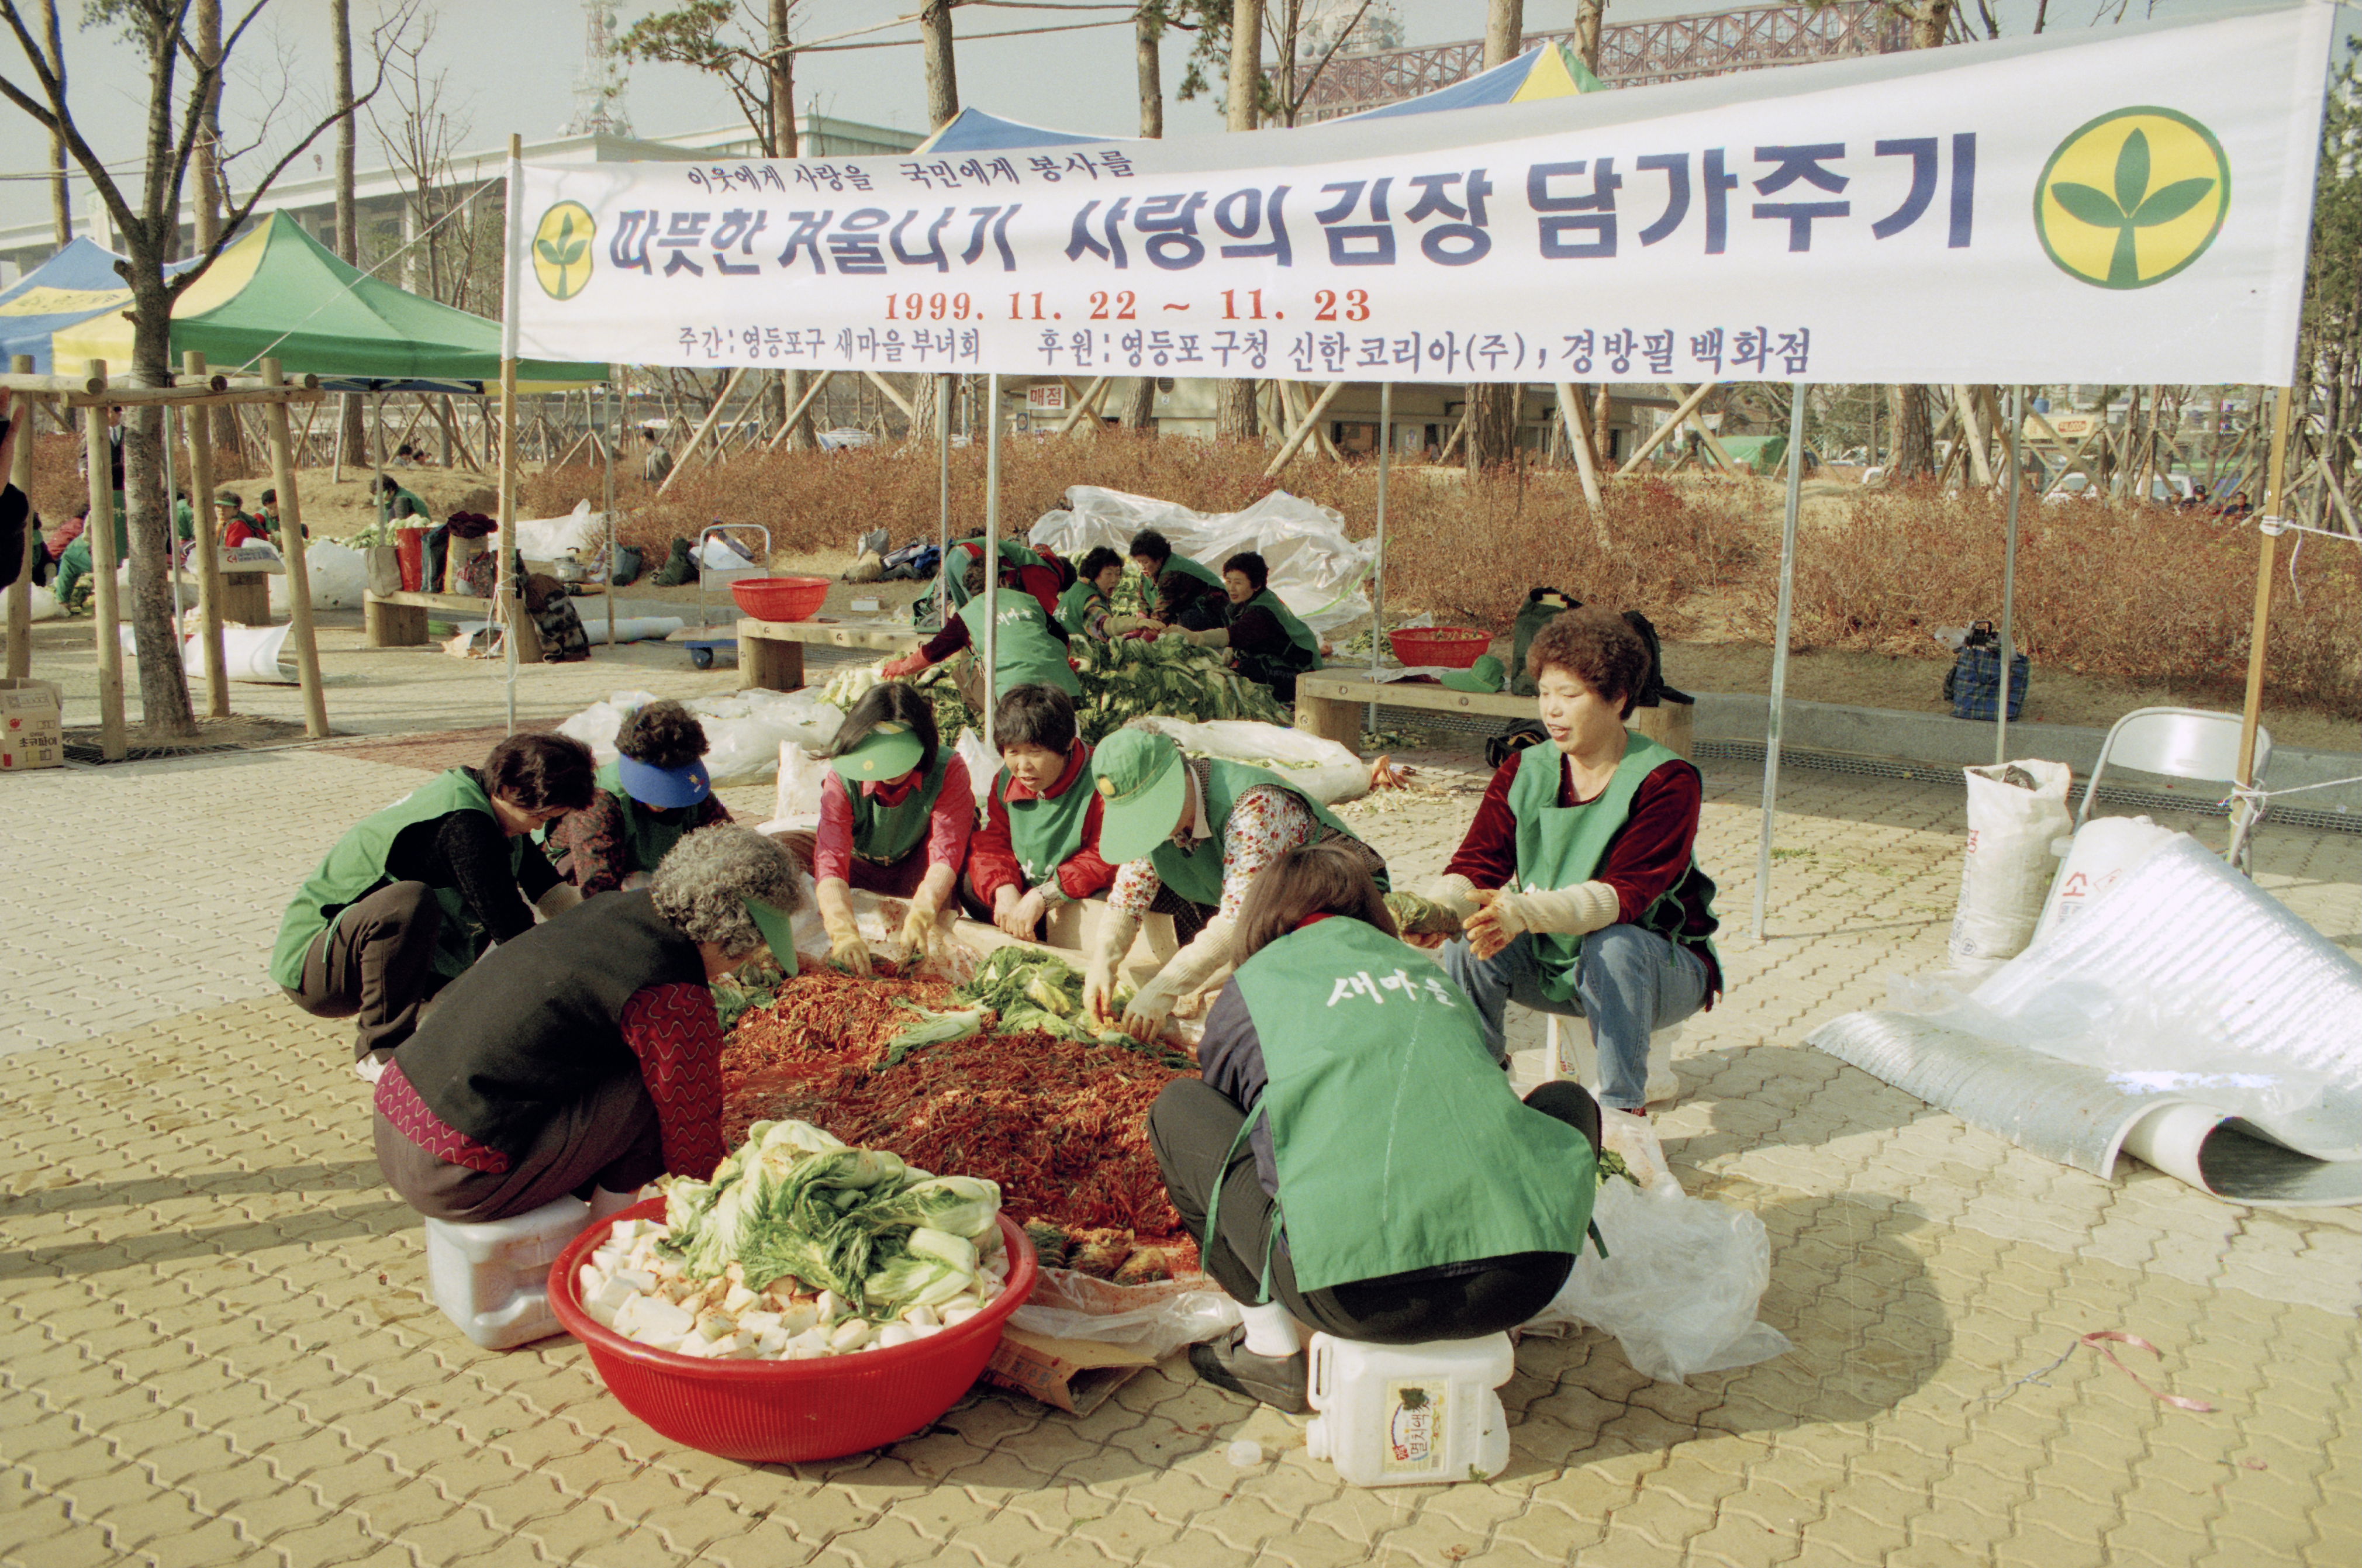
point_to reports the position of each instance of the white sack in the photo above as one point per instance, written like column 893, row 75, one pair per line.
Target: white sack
column 796, row 802
column 43, row 603
column 719, row 554
column 338, row 573
column 1325, row 771
column 549, row 539
column 2007, row 870
column 1315, row 570
column 1679, row 1285
column 743, row 729
column 982, row 766
column 2105, row 850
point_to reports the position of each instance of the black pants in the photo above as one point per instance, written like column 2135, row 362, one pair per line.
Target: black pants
column 376, row 965
column 1192, row 1127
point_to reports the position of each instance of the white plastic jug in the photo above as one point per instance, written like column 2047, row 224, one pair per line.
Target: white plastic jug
column 1410, row 1415
column 492, row 1278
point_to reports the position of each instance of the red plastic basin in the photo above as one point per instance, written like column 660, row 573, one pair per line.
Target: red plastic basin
column 777, row 1412
column 779, row 598
column 1456, row 648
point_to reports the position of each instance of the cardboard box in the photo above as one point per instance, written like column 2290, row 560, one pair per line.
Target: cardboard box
column 31, row 733
column 1076, row 1375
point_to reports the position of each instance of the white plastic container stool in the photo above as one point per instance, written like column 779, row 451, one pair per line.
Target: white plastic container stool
column 492, row 1278
column 1410, row 1415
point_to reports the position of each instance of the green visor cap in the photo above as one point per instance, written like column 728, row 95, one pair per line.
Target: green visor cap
column 1142, row 787
column 779, row 932
column 1484, row 675
column 888, row 751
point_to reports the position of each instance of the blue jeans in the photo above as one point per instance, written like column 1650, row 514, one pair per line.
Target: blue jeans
column 1628, row 983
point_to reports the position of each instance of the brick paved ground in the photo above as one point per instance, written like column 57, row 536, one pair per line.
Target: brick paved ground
column 216, row 1346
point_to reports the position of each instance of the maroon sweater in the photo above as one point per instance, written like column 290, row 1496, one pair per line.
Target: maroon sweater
column 1647, row 855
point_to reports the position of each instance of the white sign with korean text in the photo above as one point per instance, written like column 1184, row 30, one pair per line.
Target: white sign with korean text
column 2130, row 206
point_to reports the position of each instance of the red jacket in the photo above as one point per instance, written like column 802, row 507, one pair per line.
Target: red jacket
column 992, row 859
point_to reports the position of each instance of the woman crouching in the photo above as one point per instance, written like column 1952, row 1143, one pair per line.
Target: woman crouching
column 585, row 1055
column 1353, row 1157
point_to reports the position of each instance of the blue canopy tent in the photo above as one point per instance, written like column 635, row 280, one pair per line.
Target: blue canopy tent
column 78, row 282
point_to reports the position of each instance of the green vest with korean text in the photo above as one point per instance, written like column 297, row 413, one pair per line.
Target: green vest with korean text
column 1559, row 846
column 355, row 868
column 1024, row 649
column 883, row 835
column 1047, row 831
column 1399, row 1142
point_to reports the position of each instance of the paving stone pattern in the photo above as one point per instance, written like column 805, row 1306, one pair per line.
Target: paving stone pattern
column 216, row 1344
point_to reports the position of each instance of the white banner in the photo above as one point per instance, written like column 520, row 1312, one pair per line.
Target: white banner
column 2126, row 206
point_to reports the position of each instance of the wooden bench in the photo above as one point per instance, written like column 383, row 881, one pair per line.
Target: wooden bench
column 1330, row 705
column 399, row 620
column 771, row 653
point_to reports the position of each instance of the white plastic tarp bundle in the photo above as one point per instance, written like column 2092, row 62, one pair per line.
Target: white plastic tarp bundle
column 1324, row 770
column 549, row 538
column 2184, row 1016
column 338, row 575
column 743, row 729
column 1315, row 570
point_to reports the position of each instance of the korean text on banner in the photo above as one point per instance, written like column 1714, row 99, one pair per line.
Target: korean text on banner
column 2123, row 205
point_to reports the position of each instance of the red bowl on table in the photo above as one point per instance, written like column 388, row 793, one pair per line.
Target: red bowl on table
column 783, row 1412
column 779, row 598
column 1454, row 647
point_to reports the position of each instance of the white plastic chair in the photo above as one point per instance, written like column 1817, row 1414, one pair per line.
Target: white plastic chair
column 2184, row 742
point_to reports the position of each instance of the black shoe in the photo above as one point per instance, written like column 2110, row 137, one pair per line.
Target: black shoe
column 1278, row 1381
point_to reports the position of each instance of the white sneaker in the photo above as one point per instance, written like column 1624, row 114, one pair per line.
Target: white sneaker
column 1634, row 1140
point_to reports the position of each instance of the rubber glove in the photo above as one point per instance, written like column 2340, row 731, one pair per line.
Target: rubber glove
column 1503, row 916
column 902, row 668
column 921, row 930
column 1190, row 971
column 1115, row 934
column 846, row 948
column 1117, row 626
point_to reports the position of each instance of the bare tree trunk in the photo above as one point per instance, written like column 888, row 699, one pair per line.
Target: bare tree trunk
column 1234, row 400
column 1148, row 37
column 1915, row 434
column 60, row 196
column 943, row 107
column 349, row 239
column 164, row 704
column 1930, row 19
column 1493, row 410
column 1588, row 15
column 782, row 72
column 211, row 198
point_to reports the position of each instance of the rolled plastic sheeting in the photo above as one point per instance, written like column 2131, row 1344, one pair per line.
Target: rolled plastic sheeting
column 633, row 628
column 1315, row 570
column 2212, row 1034
column 248, row 653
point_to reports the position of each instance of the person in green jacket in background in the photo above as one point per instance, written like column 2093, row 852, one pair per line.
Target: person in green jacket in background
column 397, row 507
column 1180, row 592
column 1085, row 608
column 655, row 791
column 413, row 894
column 1267, row 643
column 1028, row 646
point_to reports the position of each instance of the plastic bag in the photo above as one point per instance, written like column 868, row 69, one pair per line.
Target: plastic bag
column 338, row 575
column 1315, row 570
column 41, row 604
column 549, row 538
column 1678, row 1287
column 796, row 803
column 982, row 766
column 2007, row 870
column 743, row 729
column 1154, row 1319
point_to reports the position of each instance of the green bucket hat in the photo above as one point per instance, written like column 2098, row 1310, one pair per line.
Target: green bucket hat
column 1485, row 675
column 888, row 751
column 1142, row 787
column 779, row 932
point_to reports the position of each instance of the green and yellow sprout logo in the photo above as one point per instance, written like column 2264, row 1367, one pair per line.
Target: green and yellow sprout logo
column 2133, row 197
column 561, row 249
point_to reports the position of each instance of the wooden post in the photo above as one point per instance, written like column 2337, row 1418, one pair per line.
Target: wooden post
column 20, row 474
column 2267, row 558
column 1672, row 423
column 1711, row 442
column 679, row 459
column 1086, row 406
column 100, row 532
column 796, row 413
column 1578, row 435
column 1973, row 436
column 290, row 548
column 1303, row 428
column 209, row 583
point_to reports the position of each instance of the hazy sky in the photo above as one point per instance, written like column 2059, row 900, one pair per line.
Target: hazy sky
column 512, row 65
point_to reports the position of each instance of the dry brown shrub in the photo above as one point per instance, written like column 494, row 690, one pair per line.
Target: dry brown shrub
column 2130, row 592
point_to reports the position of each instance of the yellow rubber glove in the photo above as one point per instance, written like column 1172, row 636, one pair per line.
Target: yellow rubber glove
column 846, row 948
column 921, row 930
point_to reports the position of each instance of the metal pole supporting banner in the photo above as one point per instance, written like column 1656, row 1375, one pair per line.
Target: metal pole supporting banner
column 2009, row 578
column 943, row 489
column 614, row 428
column 991, row 555
column 1378, row 572
column 1780, row 653
column 507, row 607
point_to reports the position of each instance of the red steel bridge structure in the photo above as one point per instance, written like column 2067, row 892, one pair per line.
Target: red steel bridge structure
column 1673, row 48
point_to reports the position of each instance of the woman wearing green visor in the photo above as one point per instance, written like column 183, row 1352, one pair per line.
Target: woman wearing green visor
column 655, row 791
column 585, row 1056
column 1189, row 835
column 895, row 813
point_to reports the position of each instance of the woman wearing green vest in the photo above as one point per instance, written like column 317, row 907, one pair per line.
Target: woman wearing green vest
column 1189, row 834
column 1039, row 846
column 1321, row 1159
column 655, row 790
column 1578, row 882
column 411, row 896
column 1084, row 608
column 1267, row 643
column 1028, row 647
column 895, row 813
column 1180, row 592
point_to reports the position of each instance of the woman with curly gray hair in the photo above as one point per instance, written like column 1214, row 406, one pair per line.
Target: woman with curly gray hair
column 585, row 1055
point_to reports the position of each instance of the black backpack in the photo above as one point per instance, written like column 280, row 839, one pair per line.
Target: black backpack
column 1542, row 607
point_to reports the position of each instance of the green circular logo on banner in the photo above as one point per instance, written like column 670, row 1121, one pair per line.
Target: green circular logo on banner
column 561, row 249
column 2133, row 197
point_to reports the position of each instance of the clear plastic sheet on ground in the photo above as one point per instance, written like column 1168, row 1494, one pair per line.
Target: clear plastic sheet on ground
column 1315, row 570
column 1679, row 1285
column 743, row 729
column 1154, row 1319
